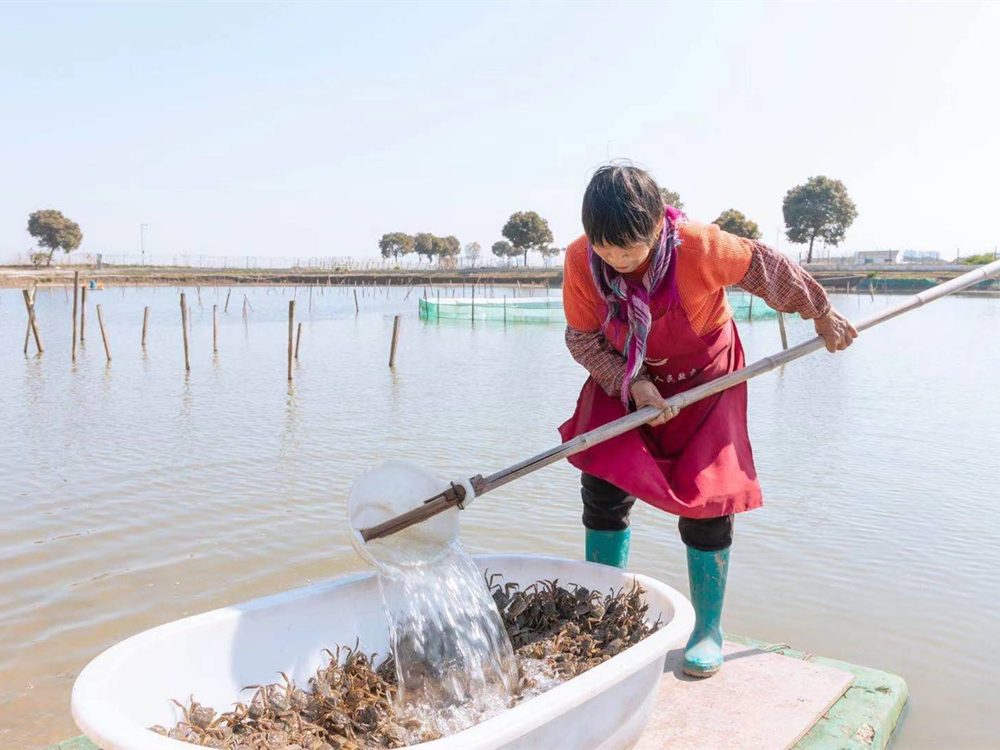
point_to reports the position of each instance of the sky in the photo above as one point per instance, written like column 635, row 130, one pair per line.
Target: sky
column 310, row 129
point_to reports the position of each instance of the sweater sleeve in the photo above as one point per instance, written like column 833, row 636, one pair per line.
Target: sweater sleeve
column 784, row 285
column 582, row 305
column 605, row 364
column 723, row 258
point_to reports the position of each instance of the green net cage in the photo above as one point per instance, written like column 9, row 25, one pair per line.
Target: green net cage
column 549, row 309
column 499, row 309
column 748, row 307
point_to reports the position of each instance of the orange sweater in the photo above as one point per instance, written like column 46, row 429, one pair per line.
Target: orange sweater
column 708, row 260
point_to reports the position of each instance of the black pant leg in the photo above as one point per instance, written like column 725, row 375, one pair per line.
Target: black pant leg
column 707, row 534
column 605, row 507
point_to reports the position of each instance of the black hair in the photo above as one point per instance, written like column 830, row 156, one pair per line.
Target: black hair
column 622, row 206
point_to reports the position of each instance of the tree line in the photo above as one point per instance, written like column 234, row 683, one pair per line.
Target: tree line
column 818, row 209
column 524, row 232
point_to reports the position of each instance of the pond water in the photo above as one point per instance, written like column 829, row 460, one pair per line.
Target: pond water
column 132, row 494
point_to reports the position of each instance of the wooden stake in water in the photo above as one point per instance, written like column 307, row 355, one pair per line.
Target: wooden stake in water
column 145, row 325
column 505, row 309
column 356, row 308
column 781, row 328
column 83, row 312
column 456, row 494
column 291, row 335
column 473, row 304
column 76, row 294
column 395, row 341
column 184, row 328
column 215, row 329
column 226, row 308
column 104, row 333
column 298, row 341
column 29, row 303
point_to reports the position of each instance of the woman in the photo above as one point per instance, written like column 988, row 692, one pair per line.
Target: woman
column 645, row 297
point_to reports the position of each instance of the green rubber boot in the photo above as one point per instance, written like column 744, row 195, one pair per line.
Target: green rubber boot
column 707, row 573
column 608, row 547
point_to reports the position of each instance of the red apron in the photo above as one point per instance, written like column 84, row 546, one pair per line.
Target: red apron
column 697, row 465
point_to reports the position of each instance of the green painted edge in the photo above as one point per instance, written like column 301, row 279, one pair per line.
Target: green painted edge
column 77, row 743
column 876, row 699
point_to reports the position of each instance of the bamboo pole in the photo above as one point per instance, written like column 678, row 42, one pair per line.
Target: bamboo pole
column 395, row 341
column 298, row 340
column 215, row 329
column 29, row 303
column 781, row 328
column 291, row 334
column 356, row 308
column 76, row 294
column 145, row 325
column 104, row 333
column 226, row 308
column 83, row 312
column 184, row 328
column 456, row 494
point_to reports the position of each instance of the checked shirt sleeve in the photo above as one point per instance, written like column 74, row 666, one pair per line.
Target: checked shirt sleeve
column 604, row 363
column 784, row 285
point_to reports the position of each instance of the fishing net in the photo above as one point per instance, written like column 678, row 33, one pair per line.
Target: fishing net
column 550, row 309
column 498, row 309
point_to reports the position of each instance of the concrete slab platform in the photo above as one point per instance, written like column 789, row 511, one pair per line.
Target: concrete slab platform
column 759, row 701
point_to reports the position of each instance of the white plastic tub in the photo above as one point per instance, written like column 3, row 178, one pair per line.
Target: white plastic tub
column 214, row 655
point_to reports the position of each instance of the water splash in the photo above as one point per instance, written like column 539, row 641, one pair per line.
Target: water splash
column 454, row 660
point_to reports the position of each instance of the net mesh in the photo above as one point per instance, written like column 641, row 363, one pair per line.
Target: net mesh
column 550, row 309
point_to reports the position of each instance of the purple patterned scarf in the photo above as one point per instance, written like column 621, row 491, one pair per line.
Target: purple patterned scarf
column 616, row 289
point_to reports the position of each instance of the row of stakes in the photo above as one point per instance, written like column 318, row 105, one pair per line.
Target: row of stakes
column 294, row 335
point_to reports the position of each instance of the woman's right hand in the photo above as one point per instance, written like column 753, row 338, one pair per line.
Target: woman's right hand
column 644, row 393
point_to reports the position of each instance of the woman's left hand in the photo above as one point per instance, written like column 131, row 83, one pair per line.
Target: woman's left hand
column 644, row 393
column 836, row 330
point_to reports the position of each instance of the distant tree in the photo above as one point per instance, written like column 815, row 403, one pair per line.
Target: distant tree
column 472, row 252
column 672, row 198
column 446, row 248
column 395, row 244
column 818, row 209
column 735, row 222
column 548, row 252
column 423, row 244
column 503, row 249
column 526, row 231
column 53, row 231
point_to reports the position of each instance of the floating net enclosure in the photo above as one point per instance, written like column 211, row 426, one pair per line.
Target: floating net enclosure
column 748, row 307
column 512, row 310
column 549, row 309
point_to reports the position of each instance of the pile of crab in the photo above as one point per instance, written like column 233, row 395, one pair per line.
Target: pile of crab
column 351, row 702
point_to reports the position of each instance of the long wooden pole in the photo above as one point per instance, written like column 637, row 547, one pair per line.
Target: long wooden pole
column 291, row 334
column 184, row 328
column 451, row 497
column 145, row 325
column 395, row 340
column 76, row 295
column 298, row 340
column 215, row 329
column 83, row 312
column 104, row 334
column 781, row 329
